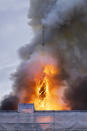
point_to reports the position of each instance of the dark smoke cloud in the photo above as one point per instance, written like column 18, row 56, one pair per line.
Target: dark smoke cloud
column 76, row 95
column 65, row 23
column 9, row 103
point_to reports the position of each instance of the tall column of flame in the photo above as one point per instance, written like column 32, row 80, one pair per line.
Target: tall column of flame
column 46, row 97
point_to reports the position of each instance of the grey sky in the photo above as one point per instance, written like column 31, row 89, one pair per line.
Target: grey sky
column 14, row 32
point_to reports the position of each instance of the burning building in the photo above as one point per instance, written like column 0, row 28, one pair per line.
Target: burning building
column 52, row 74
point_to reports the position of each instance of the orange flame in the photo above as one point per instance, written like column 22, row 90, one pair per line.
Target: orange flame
column 44, row 86
column 46, row 90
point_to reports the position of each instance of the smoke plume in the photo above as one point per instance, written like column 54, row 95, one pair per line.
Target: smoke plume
column 65, row 38
column 76, row 95
column 65, row 24
column 9, row 103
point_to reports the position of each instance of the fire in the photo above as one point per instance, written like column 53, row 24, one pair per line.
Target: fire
column 43, row 84
column 46, row 97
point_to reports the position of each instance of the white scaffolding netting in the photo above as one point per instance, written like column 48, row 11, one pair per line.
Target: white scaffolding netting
column 40, row 121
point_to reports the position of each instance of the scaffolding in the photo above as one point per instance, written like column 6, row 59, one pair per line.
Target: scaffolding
column 43, row 121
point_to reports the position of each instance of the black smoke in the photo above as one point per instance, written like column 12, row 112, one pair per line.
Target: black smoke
column 76, row 95
column 9, row 103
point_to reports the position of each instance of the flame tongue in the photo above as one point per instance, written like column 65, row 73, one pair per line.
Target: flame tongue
column 45, row 89
column 42, row 85
column 42, row 89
